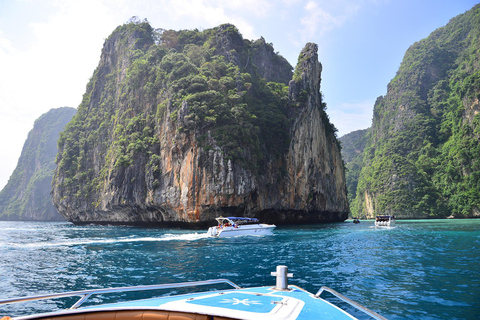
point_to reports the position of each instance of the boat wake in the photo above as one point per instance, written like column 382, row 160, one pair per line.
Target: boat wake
column 185, row 237
column 382, row 227
column 80, row 242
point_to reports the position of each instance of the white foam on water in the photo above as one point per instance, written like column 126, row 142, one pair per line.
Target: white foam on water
column 75, row 242
column 185, row 236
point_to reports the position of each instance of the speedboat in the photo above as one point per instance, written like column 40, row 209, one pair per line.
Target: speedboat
column 239, row 226
column 267, row 303
column 385, row 221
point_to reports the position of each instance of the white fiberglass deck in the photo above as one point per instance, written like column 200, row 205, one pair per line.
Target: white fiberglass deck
column 254, row 303
column 281, row 302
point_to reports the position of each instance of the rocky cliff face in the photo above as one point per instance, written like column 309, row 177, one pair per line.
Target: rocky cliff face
column 27, row 193
column 421, row 157
column 353, row 145
column 198, row 125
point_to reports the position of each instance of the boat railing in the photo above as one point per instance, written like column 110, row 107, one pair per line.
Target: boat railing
column 85, row 294
column 354, row 304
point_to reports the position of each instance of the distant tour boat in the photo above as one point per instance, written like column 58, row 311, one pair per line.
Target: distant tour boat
column 385, row 221
column 355, row 220
column 239, row 226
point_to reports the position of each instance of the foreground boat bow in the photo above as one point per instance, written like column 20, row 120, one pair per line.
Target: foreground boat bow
column 279, row 302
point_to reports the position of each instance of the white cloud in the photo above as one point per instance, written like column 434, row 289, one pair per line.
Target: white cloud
column 317, row 20
column 348, row 117
column 259, row 8
column 323, row 16
column 207, row 14
column 6, row 46
column 51, row 72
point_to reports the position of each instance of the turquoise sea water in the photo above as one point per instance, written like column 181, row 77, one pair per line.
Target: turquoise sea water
column 420, row 269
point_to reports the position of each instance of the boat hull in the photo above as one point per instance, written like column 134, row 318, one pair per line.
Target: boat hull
column 254, row 229
column 389, row 223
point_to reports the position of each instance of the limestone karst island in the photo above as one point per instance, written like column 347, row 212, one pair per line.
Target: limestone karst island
column 179, row 127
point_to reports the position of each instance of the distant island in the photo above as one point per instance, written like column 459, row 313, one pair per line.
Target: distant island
column 26, row 196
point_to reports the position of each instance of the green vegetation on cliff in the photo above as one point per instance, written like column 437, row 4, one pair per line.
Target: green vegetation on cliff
column 353, row 145
column 27, row 193
column 208, row 83
column 422, row 157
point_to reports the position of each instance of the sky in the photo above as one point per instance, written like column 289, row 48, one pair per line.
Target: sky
column 50, row 48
